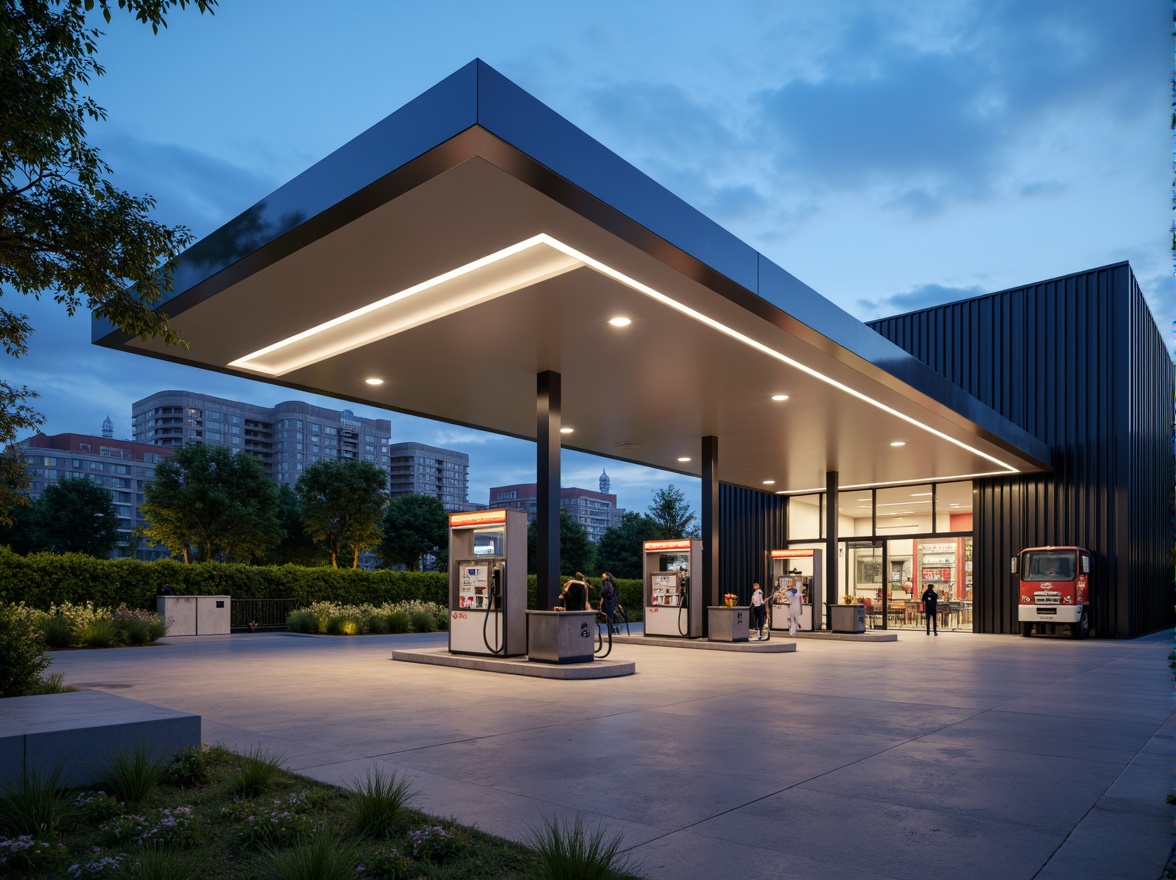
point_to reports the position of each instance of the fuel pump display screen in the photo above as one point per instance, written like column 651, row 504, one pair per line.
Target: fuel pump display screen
column 473, row 578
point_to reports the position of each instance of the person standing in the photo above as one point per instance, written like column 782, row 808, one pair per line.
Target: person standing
column 793, row 601
column 758, row 611
column 576, row 594
column 931, row 608
column 608, row 599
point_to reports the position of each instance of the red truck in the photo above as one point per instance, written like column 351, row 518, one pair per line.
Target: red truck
column 1054, row 590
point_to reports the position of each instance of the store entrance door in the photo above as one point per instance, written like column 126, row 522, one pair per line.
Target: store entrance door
column 864, row 574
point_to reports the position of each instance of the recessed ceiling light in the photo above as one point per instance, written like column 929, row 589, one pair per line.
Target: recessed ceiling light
column 620, row 321
column 898, row 443
column 566, row 430
column 683, row 458
column 769, row 482
column 374, row 381
column 779, row 397
column 919, row 494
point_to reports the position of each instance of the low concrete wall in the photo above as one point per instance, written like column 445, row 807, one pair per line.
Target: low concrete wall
column 80, row 731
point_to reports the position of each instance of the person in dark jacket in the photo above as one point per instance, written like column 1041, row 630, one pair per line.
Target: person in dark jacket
column 575, row 594
column 931, row 608
column 608, row 599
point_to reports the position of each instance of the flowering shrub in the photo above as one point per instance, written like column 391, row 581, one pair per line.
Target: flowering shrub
column 99, row 866
column 386, row 864
column 176, row 827
column 67, row 624
column 433, row 843
column 27, row 853
column 97, row 806
column 334, row 618
column 280, row 825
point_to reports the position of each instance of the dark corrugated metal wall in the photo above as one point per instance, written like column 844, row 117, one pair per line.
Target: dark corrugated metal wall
column 751, row 524
column 1079, row 362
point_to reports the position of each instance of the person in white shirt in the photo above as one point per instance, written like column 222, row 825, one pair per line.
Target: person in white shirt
column 758, row 611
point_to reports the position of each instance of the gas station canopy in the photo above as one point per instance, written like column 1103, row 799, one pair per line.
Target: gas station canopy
column 474, row 239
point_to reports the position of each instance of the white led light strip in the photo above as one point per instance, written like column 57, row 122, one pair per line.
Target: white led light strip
column 502, row 272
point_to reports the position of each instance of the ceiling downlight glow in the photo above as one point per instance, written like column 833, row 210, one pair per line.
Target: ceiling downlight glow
column 620, row 321
column 374, row 381
column 513, row 268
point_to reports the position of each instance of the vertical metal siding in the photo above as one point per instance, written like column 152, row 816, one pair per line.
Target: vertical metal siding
column 751, row 524
column 1078, row 362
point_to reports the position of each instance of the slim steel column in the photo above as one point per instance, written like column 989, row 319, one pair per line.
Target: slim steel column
column 710, row 527
column 831, row 545
column 547, row 474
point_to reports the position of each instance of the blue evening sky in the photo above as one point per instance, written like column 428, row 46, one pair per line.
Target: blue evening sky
column 892, row 154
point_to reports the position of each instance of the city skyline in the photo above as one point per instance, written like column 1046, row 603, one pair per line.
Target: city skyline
column 892, row 155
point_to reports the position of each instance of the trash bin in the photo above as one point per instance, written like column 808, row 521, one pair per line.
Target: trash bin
column 847, row 618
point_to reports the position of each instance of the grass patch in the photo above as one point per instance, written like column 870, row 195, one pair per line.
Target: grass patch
column 33, row 805
column 378, row 802
column 256, row 771
column 192, row 827
column 574, row 852
column 133, row 775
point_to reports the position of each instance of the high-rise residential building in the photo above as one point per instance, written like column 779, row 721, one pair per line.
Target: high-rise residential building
column 596, row 511
column 285, row 438
column 120, row 466
column 444, row 474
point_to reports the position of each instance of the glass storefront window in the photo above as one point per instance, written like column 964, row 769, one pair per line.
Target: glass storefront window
column 805, row 517
column 855, row 512
column 905, row 510
column 953, row 507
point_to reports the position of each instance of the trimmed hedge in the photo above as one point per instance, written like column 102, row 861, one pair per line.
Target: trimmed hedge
column 43, row 579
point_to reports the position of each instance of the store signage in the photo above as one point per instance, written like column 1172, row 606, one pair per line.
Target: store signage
column 792, row 554
column 477, row 518
column 677, row 544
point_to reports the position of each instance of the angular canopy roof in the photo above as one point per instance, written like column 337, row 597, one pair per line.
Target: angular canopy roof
column 474, row 239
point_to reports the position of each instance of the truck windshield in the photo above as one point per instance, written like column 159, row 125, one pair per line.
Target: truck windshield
column 1049, row 566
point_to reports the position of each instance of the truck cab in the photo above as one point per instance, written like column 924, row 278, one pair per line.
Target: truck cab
column 1054, row 590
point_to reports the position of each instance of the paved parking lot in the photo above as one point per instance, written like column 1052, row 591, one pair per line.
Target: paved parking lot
column 962, row 756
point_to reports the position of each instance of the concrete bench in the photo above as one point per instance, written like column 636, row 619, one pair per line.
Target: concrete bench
column 82, row 730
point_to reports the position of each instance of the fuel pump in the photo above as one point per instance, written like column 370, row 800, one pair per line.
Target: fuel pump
column 487, row 583
column 673, row 596
column 801, row 568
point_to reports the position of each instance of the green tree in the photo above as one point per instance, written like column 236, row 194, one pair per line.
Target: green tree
column 20, row 534
column 576, row 552
column 671, row 515
column 207, row 503
column 342, row 506
column 16, row 416
column 620, row 549
column 297, row 547
column 414, row 525
column 76, row 515
column 64, row 228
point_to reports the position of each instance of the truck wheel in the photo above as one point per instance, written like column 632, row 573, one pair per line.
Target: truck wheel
column 1081, row 629
column 1026, row 629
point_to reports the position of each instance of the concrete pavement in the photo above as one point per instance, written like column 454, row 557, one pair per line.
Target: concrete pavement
column 962, row 756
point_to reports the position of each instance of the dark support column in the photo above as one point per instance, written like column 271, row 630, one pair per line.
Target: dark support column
column 548, row 408
column 710, row 527
column 831, row 545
